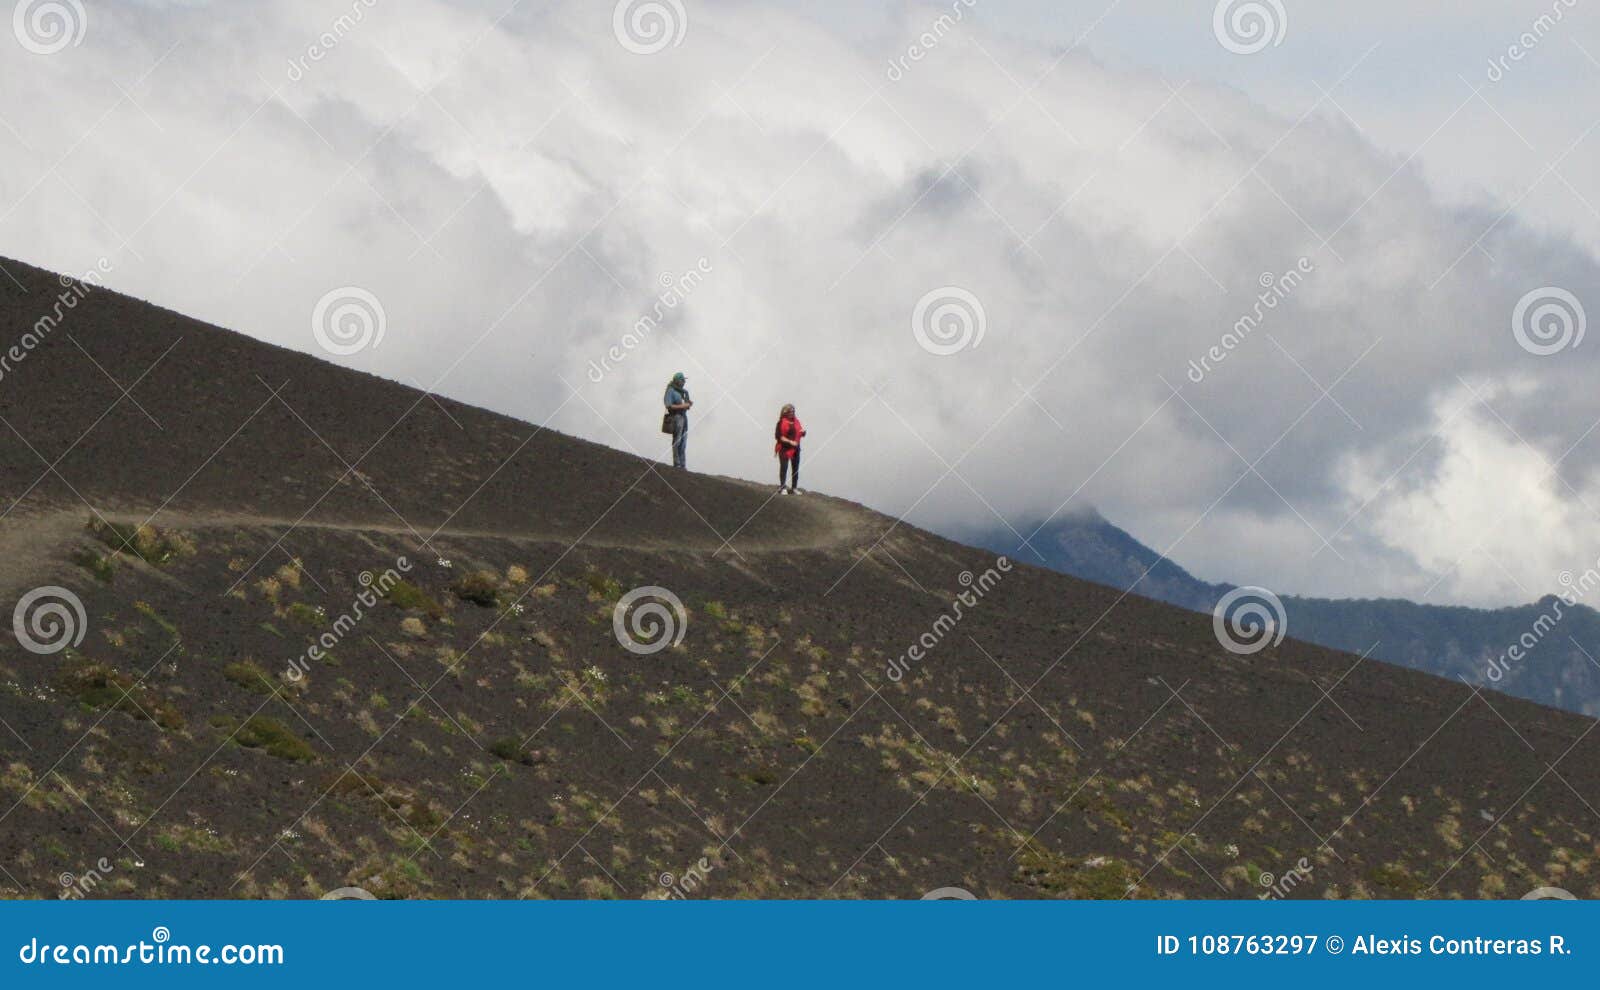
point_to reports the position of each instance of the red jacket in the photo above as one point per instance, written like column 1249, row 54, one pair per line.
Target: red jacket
column 788, row 428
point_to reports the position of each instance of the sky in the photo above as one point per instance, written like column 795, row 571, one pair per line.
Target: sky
column 1294, row 293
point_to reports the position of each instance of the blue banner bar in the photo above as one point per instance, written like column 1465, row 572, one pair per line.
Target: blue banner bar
column 796, row 944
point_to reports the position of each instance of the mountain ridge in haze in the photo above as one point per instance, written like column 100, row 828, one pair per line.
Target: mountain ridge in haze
column 1463, row 643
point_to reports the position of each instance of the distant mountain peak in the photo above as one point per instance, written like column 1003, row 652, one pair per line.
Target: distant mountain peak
column 1452, row 641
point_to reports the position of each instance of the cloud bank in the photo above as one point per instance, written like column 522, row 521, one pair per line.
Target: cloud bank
column 986, row 274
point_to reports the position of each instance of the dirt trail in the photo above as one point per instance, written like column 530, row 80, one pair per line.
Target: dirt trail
column 30, row 545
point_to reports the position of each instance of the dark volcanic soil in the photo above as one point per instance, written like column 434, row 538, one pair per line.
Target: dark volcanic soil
column 481, row 731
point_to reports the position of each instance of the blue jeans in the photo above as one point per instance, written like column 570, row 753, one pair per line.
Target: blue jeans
column 680, row 440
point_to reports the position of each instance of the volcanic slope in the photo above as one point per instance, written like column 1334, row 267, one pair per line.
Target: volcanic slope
column 220, row 506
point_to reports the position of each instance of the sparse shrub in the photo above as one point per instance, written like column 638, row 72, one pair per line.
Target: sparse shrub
column 249, row 676
column 408, row 596
column 481, row 588
column 1100, row 878
column 275, row 739
column 148, row 611
column 1396, row 877
column 415, row 810
column 413, row 627
column 101, row 687
column 509, row 748
column 603, row 587
column 516, row 574
column 306, row 615
column 94, row 563
column 149, row 544
column 269, row 588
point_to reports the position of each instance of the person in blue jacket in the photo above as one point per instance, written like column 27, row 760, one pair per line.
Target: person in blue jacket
column 678, row 405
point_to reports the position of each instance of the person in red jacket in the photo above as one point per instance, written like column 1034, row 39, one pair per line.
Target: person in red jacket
column 787, row 446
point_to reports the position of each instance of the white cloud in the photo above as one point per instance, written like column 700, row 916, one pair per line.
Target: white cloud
column 513, row 190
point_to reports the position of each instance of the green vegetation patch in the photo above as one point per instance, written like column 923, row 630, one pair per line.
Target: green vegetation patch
column 1397, row 878
column 1099, row 878
column 305, row 615
column 97, row 564
column 481, row 588
column 510, row 749
column 148, row 611
column 408, row 596
column 104, row 688
column 151, row 545
column 603, row 587
column 274, row 738
column 416, row 811
column 250, row 677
